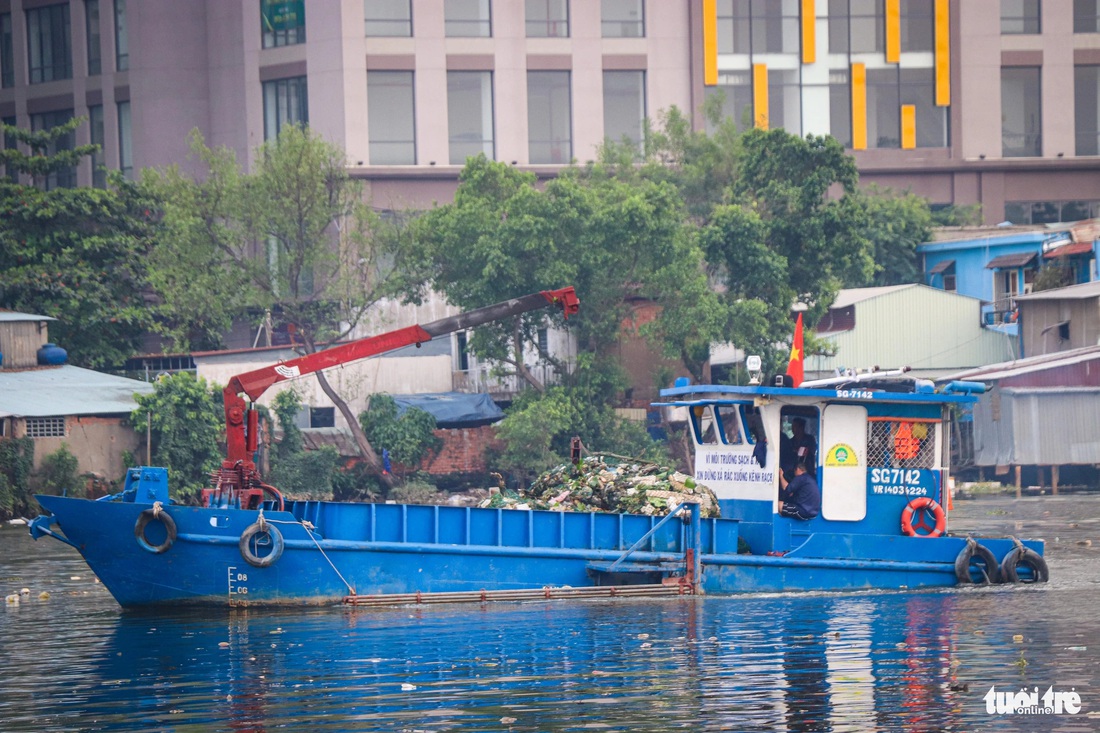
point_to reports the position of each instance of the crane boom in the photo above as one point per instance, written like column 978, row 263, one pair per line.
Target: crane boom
column 241, row 421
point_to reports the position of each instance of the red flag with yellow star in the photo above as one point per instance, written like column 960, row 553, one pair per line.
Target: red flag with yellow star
column 794, row 366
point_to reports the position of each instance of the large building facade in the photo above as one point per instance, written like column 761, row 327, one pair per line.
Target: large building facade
column 990, row 102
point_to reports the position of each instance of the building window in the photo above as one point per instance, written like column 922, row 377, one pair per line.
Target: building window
column 285, row 103
column 65, row 178
column 857, row 26
column 95, row 123
column 1050, row 212
column 391, row 122
column 735, row 92
column 49, row 47
column 1019, row 16
column 91, row 33
column 388, row 18
column 45, row 427
column 7, row 52
column 918, row 88
column 322, row 417
column 470, row 114
column 840, row 106
column 467, row 19
column 734, row 27
column 1086, row 83
column 10, row 144
column 1021, row 132
column 775, row 26
column 785, row 100
column 125, row 141
column 549, row 117
column 547, row 18
column 122, row 41
column 883, row 109
column 758, row 26
column 283, row 22
column 918, row 25
column 624, row 106
column 1086, row 16
column 622, row 18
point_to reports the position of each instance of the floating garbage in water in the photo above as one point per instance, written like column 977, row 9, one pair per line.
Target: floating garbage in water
column 406, row 686
column 1018, row 638
column 507, row 721
column 1076, row 648
column 598, row 484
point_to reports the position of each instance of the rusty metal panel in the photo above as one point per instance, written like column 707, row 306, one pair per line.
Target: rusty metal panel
column 1037, row 427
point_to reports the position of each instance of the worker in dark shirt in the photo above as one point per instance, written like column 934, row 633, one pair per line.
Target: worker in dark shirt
column 799, row 498
column 799, row 448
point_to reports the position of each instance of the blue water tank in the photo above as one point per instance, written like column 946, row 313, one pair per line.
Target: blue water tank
column 52, row 355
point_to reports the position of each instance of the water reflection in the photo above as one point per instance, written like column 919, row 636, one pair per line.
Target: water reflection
column 849, row 662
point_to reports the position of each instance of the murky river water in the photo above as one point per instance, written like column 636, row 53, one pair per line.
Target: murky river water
column 920, row 661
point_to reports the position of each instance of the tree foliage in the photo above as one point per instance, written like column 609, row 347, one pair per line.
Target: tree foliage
column 16, row 462
column 293, row 238
column 297, row 472
column 40, row 153
column 78, row 255
column 408, row 437
column 617, row 239
column 187, row 424
column 896, row 223
column 537, row 430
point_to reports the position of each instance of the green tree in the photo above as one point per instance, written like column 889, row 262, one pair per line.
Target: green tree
column 409, row 437
column 16, row 462
column 58, row 473
column 895, row 223
column 42, row 153
column 186, row 425
column 297, row 472
column 293, row 238
column 617, row 239
column 77, row 254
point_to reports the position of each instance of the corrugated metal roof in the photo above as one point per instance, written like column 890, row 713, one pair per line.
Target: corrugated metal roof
column 67, row 390
column 1036, row 427
column 1019, row 259
column 1080, row 291
column 1008, row 369
column 850, row 296
column 12, row 316
column 1068, row 250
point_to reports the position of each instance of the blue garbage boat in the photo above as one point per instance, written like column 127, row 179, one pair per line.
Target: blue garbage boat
column 879, row 449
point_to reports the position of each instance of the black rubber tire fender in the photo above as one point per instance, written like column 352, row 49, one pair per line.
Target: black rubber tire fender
column 277, row 544
column 987, row 564
column 143, row 521
column 1027, row 557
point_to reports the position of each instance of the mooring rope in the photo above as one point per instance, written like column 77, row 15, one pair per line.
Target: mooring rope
column 308, row 526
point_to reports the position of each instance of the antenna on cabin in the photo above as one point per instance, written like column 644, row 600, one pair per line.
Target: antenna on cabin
column 752, row 363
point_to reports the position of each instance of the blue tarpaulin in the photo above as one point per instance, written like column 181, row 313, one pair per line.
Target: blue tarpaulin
column 453, row 409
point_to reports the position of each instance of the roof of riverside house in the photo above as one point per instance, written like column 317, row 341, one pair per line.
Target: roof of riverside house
column 66, row 390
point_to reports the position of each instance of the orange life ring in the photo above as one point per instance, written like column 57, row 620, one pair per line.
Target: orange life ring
column 922, row 503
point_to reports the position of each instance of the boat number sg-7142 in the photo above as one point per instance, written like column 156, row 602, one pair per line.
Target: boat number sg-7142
column 897, row 481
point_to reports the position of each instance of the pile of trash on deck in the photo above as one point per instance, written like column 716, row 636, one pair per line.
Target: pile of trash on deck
column 595, row 485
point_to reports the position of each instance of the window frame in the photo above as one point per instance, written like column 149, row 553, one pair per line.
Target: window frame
column 553, row 143
column 279, row 87
column 611, row 16
column 455, row 26
column 39, row 71
column 93, row 38
column 376, row 27
column 379, row 110
column 546, row 25
column 290, row 36
column 122, row 37
column 1030, row 23
column 45, row 427
column 485, row 82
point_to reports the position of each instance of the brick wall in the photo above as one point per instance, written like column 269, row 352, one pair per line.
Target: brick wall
column 463, row 451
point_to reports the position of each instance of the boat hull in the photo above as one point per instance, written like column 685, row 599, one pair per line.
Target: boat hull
column 400, row 551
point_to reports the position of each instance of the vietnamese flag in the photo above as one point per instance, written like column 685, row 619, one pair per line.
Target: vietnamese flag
column 794, row 366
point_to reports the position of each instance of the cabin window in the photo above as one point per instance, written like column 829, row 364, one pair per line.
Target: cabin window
column 901, row 443
column 703, row 423
column 729, row 416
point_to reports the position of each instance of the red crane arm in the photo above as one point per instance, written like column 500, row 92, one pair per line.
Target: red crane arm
column 241, row 423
